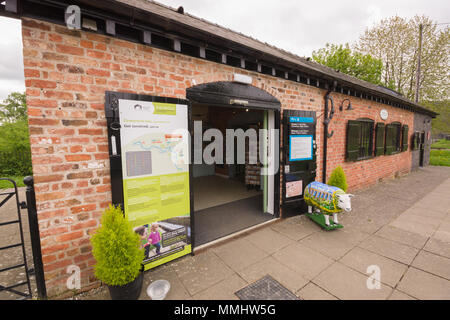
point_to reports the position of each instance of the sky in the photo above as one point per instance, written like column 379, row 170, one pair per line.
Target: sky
column 293, row 25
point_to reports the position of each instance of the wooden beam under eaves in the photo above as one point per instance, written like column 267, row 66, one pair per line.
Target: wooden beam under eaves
column 176, row 45
column 110, row 27
column 202, row 52
column 147, row 37
column 11, row 6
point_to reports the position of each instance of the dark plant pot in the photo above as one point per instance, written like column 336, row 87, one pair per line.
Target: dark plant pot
column 129, row 291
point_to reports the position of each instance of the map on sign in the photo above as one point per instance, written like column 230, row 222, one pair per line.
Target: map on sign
column 156, row 152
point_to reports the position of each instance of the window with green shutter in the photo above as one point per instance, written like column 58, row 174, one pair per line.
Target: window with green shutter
column 379, row 139
column 353, row 138
column 393, row 131
column 359, row 139
column 405, row 138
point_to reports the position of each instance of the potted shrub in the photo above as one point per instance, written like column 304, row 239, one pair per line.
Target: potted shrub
column 116, row 249
column 338, row 179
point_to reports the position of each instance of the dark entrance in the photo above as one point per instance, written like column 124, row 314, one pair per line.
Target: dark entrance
column 231, row 197
column 422, row 148
column 299, row 158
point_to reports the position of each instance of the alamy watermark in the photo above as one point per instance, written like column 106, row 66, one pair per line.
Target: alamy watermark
column 235, row 146
column 374, row 280
column 74, row 280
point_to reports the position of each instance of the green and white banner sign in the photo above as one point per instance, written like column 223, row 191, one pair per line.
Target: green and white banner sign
column 155, row 165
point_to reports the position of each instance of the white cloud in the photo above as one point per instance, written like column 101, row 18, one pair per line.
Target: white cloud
column 11, row 57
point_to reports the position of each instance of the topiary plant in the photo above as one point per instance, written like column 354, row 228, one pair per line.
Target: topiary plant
column 116, row 249
column 338, row 179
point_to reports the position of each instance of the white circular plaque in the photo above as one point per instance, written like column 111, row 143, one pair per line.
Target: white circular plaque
column 384, row 114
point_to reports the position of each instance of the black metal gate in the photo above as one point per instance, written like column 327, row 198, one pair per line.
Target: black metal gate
column 13, row 195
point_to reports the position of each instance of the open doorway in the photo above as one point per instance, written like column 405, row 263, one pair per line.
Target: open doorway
column 231, row 197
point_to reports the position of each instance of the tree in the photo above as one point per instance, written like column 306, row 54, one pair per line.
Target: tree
column 441, row 124
column 14, row 108
column 394, row 41
column 15, row 152
column 343, row 59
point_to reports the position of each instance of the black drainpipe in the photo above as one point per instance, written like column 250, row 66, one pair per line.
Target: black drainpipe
column 326, row 122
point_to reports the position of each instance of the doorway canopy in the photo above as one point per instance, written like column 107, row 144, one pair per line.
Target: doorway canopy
column 224, row 93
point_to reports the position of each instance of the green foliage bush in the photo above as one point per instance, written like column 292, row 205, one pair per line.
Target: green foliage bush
column 338, row 179
column 15, row 152
column 116, row 249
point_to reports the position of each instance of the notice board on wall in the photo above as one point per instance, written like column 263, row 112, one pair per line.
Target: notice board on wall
column 153, row 147
column 301, row 136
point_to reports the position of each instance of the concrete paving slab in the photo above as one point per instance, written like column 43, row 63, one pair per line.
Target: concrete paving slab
column 390, row 249
column 420, row 211
column 239, row 253
column 313, row 292
column 346, row 283
column 438, row 247
column 177, row 290
column 201, row 271
column 296, row 229
column 421, row 219
column 303, row 260
column 281, row 273
column 425, row 286
column 411, row 239
column 398, row 295
column 435, row 201
column 414, row 227
column 433, row 263
column 336, row 243
column 224, row 290
column 360, row 259
column 269, row 240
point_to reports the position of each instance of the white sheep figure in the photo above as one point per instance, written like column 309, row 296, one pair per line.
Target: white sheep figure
column 327, row 200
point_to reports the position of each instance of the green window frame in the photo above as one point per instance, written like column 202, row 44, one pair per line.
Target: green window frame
column 405, row 130
column 379, row 139
column 359, row 139
column 393, row 134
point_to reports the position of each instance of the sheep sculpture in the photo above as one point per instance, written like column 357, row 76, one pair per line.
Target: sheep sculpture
column 326, row 200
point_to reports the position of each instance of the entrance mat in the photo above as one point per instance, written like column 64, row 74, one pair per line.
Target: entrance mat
column 266, row 288
column 220, row 221
column 320, row 220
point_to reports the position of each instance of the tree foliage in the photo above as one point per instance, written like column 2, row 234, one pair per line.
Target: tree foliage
column 14, row 108
column 116, row 249
column 441, row 124
column 395, row 42
column 343, row 59
column 15, row 153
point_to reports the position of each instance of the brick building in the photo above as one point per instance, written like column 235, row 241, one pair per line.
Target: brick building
column 138, row 47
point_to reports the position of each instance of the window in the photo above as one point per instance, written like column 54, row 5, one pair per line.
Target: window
column 359, row 139
column 379, row 139
column 415, row 140
column 393, row 142
column 405, row 138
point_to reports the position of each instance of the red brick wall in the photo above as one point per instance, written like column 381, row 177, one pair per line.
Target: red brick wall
column 67, row 74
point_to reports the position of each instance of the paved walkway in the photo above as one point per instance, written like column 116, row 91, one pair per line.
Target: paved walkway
column 402, row 226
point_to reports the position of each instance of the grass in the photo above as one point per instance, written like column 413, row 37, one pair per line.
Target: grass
column 6, row 184
column 441, row 144
column 440, row 158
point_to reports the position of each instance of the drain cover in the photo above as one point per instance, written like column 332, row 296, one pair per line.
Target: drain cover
column 266, row 288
